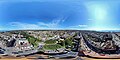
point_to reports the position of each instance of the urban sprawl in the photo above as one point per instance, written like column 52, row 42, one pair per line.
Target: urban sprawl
column 60, row 43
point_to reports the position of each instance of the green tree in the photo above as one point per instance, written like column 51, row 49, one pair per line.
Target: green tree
column 68, row 41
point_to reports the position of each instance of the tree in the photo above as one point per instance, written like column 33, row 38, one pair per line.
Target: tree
column 68, row 42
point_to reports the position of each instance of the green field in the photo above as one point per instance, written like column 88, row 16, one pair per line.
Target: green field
column 52, row 47
column 50, row 41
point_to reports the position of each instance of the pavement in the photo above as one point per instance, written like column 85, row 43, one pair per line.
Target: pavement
column 78, row 58
column 86, row 58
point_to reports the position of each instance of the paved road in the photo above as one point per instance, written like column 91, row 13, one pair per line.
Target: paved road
column 86, row 58
column 116, row 39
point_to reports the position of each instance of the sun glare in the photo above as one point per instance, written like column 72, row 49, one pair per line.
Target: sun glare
column 99, row 15
column 98, row 12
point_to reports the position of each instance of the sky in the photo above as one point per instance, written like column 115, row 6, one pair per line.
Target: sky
column 60, row 14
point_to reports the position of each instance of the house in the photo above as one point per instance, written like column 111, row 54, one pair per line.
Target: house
column 23, row 44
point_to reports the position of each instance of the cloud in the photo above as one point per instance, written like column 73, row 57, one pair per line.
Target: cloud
column 48, row 25
column 79, row 26
column 82, row 25
column 20, row 25
column 54, row 24
column 90, row 19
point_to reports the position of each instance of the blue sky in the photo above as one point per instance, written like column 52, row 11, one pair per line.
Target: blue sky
column 60, row 14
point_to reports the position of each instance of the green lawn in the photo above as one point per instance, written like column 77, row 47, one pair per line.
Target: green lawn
column 52, row 47
column 50, row 41
column 32, row 40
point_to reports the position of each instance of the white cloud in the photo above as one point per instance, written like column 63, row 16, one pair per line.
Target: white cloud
column 90, row 19
column 24, row 25
column 54, row 24
column 49, row 25
column 80, row 26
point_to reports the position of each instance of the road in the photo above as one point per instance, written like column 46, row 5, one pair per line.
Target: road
column 86, row 58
